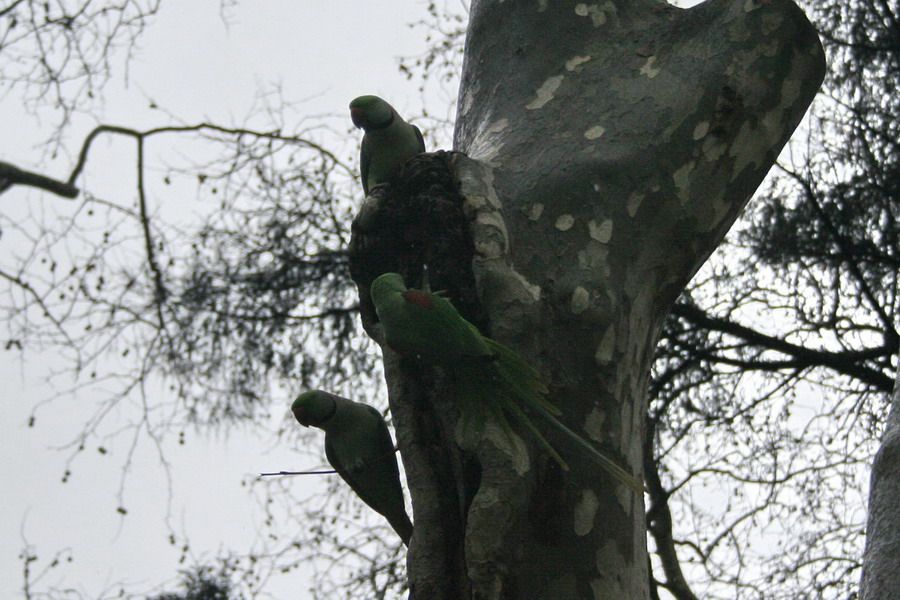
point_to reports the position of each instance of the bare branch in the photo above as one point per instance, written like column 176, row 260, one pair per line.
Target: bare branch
column 659, row 521
column 846, row 363
column 11, row 175
column 200, row 127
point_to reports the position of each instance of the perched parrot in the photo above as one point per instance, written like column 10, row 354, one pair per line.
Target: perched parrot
column 491, row 381
column 388, row 143
column 359, row 447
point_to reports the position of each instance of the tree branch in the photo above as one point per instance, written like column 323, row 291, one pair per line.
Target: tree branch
column 659, row 521
column 160, row 289
column 845, row 363
column 11, row 175
column 199, row 127
column 890, row 334
column 10, row 8
column 29, row 289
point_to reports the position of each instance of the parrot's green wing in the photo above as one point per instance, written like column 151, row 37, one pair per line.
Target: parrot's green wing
column 364, row 456
column 440, row 326
column 424, row 324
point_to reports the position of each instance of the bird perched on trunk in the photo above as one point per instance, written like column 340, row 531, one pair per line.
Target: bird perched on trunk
column 491, row 381
column 359, row 447
column 388, row 143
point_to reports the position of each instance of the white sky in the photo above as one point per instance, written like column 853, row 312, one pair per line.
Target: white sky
column 196, row 68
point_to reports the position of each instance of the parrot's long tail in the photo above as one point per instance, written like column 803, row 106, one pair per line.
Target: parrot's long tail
column 608, row 464
column 510, row 406
column 527, row 391
column 485, row 395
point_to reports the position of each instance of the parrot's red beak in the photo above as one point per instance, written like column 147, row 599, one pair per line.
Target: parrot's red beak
column 300, row 415
column 358, row 116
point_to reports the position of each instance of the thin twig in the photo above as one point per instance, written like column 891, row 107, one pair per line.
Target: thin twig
column 277, row 473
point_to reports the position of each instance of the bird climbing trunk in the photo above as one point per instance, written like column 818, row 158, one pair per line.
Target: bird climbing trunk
column 604, row 151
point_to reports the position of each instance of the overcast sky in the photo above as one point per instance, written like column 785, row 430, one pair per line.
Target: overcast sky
column 195, row 67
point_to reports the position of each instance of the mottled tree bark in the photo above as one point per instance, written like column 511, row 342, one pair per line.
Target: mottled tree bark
column 609, row 147
column 881, row 561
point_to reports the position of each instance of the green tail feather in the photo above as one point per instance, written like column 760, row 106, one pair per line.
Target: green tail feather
column 527, row 390
column 523, row 381
column 473, row 390
column 505, row 388
column 604, row 461
column 511, row 406
column 496, row 390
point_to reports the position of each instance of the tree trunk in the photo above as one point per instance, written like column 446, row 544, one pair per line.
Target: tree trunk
column 609, row 148
column 881, row 560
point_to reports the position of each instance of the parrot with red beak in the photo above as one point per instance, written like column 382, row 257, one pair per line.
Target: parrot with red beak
column 359, row 447
column 388, row 143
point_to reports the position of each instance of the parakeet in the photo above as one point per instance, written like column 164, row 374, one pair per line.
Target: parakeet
column 388, row 143
column 491, row 381
column 359, row 447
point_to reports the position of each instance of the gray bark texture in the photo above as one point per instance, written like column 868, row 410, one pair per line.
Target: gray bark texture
column 881, row 560
column 604, row 149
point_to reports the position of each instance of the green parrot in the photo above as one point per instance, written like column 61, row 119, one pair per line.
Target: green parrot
column 388, row 143
column 491, row 381
column 359, row 447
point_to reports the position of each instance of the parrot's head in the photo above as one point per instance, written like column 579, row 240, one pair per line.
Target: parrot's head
column 313, row 408
column 387, row 283
column 371, row 112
